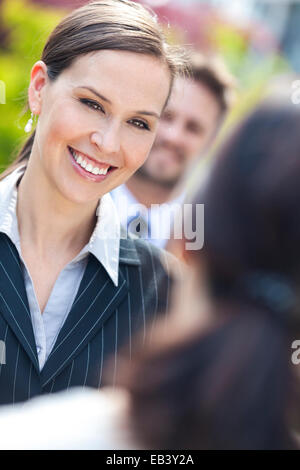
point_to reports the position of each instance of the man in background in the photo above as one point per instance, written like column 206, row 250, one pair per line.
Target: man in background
column 148, row 202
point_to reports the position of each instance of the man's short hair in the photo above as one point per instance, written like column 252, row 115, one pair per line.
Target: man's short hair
column 213, row 73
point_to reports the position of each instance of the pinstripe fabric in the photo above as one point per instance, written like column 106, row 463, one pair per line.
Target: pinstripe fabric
column 101, row 360
column 102, row 321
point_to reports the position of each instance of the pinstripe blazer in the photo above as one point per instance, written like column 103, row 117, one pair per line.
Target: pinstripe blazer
column 103, row 318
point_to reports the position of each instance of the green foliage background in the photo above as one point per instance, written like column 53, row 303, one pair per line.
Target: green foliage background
column 29, row 27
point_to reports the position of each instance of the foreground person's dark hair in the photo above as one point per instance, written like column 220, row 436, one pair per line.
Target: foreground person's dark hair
column 231, row 387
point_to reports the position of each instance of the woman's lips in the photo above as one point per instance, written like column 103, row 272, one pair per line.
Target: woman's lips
column 86, row 174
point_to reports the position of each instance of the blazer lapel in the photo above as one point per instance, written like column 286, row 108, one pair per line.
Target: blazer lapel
column 13, row 298
column 96, row 299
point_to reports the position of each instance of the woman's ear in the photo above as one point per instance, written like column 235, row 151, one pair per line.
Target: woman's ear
column 38, row 80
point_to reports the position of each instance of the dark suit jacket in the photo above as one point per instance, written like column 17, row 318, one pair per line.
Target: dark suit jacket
column 103, row 318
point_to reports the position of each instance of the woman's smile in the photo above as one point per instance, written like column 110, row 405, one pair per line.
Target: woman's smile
column 104, row 78
column 88, row 168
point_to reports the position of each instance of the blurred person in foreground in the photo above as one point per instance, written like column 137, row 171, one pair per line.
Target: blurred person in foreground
column 221, row 376
column 198, row 105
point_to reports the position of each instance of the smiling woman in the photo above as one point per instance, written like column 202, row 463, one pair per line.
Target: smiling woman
column 73, row 289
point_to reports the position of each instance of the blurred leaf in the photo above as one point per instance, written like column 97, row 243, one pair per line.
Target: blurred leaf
column 29, row 27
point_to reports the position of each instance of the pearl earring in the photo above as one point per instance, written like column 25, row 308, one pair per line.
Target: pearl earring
column 28, row 127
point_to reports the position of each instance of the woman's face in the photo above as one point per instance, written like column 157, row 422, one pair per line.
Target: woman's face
column 97, row 120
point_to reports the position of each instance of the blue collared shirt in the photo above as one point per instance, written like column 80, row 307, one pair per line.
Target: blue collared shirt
column 104, row 244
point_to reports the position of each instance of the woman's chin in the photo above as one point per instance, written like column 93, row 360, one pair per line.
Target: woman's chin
column 72, row 194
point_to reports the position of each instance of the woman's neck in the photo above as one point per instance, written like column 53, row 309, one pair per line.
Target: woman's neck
column 49, row 223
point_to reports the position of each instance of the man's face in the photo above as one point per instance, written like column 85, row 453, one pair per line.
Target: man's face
column 186, row 128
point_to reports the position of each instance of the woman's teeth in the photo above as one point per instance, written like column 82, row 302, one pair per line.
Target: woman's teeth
column 95, row 170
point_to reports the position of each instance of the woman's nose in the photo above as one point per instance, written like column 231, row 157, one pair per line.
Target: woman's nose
column 107, row 140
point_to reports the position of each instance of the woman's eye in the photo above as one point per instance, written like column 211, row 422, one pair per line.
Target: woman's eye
column 92, row 104
column 140, row 124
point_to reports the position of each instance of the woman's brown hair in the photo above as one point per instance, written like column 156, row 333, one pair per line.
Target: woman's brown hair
column 120, row 25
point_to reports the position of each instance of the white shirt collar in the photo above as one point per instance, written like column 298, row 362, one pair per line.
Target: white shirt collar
column 104, row 243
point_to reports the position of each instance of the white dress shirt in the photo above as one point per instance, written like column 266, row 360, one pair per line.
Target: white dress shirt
column 104, row 244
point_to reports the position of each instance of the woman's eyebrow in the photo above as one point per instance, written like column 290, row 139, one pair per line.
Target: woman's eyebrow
column 96, row 93
column 149, row 113
column 92, row 90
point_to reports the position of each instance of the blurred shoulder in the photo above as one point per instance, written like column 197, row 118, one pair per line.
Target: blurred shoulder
column 79, row 418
